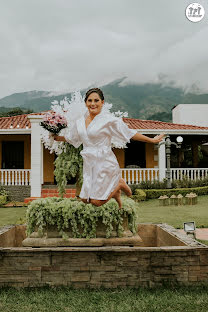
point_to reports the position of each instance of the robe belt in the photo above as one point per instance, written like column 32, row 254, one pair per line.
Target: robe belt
column 91, row 157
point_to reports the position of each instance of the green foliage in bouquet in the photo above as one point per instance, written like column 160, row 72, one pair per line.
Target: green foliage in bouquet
column 82, row 218
column 68, row 165
column 53, row 129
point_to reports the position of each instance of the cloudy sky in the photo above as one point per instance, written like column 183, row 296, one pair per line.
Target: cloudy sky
column 62, row 45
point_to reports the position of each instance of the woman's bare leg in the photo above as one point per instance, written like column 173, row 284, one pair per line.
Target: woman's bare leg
column 98, row 202
column 125, row 188
column 117, row 197
column 122, row 186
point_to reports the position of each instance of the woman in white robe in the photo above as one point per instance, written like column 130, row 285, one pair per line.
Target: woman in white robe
column 101, row 173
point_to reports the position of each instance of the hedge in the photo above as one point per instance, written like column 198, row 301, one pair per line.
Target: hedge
column 139, row 195
column 155, row 193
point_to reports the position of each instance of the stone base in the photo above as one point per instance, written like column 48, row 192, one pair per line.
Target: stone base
column 82, row 242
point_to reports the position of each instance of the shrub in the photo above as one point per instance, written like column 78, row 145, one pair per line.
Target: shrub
column 185, row 182
column 3, row 196
column 3, row 199
column 134, row 187
column 65, row 213
column 139, row 195
column 155, row 184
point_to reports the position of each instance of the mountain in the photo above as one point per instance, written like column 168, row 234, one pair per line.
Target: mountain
column 21, row 99
column 146, row 101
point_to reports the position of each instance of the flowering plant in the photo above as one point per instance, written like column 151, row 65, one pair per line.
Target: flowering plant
column 53, row 122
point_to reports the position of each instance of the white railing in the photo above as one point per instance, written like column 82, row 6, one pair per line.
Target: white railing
column 189, row 173
column 15, row 176
column 135, row 176
column 130, row 175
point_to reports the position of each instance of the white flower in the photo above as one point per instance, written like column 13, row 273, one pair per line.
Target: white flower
column 120, row 114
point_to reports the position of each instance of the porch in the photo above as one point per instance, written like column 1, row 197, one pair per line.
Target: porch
column 26, row 163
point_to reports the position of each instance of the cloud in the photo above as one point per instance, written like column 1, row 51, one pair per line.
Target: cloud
column 60, row 45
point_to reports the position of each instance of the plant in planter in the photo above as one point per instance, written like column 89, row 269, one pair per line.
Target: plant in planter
column 82, row 219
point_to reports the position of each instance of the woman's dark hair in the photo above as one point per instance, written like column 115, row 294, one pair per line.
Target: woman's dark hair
column 96, row 90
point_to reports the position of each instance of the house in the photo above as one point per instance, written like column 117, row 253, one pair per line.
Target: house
column 27, row 167
column 191, row 114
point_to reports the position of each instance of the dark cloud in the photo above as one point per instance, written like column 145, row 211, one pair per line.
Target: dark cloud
column 65, row 44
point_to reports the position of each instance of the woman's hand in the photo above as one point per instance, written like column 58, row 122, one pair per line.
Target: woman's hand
column 58, row 137
column 158, row 138
column 53, row 136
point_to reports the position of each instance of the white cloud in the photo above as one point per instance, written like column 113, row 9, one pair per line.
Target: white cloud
column 65, row 44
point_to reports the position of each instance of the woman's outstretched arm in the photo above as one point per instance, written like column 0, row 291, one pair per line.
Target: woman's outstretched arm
column 144, row 138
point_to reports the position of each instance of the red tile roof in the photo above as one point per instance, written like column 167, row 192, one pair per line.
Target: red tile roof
column 13, row 121
column 133, row 123
column 155, row 124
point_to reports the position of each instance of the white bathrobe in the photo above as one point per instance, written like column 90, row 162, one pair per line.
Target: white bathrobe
column 101, row 172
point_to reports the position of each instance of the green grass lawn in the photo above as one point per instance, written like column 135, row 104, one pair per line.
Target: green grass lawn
column 147, row 211
column 180, row 299
column 12, row 215
column 150, row 211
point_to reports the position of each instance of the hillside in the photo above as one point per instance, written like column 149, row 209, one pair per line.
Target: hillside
column 147, row 101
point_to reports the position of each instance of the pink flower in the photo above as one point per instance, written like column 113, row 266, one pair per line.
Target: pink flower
column 54, row 122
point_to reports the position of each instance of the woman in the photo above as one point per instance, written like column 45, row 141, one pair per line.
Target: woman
column 101, row 173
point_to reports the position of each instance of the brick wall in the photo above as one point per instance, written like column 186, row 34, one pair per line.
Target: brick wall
column 17, row 192
column 102, row 266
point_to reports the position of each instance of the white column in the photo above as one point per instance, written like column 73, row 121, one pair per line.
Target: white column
column 36, row 156
column 162, row 161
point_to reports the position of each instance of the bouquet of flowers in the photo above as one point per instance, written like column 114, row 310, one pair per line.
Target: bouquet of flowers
column 53, row 122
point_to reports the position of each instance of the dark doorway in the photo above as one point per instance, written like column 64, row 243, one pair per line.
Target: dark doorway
column 12, row 155
column 135, row 155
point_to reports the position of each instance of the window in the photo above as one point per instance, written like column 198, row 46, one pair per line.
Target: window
column 12, row 155
column 135, row 155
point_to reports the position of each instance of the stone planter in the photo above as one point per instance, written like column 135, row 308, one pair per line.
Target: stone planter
column 52, row 237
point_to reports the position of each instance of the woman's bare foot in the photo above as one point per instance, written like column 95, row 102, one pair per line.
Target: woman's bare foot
column 125, row 188
column 117, row 197
column 84, row 200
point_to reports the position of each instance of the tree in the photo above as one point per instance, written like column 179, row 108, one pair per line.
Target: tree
column 14, row 112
